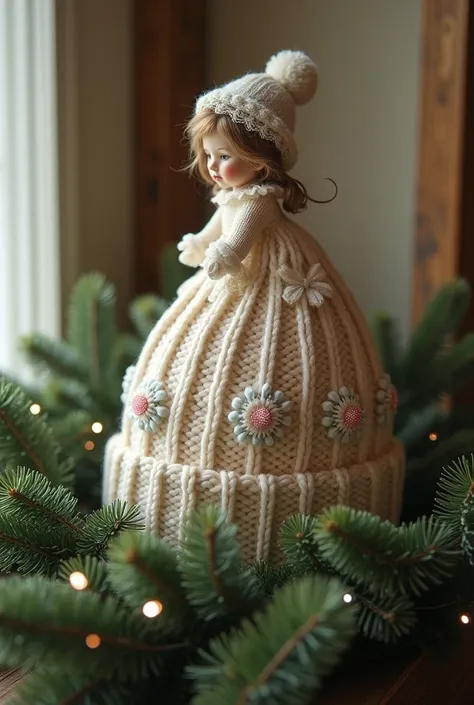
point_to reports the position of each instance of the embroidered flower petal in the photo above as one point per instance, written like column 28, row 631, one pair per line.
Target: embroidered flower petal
column 259, row 416
column 146, row 407
column 292, row 294
column 343, row 415
column 315, row 299
column 315, row 273
column 290, row 276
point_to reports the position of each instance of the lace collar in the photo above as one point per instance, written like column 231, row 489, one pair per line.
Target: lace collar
column 246, row 193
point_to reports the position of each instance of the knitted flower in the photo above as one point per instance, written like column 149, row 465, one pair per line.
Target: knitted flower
column 126, row 382
column 313, row 285
column 258, row 417
column 344, row 416
column 386, row 398
column 146, row 406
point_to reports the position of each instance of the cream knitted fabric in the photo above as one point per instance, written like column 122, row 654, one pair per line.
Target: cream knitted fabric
column 265, row 102
column 261, row 392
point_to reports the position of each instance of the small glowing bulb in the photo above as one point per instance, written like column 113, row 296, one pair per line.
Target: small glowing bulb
column 89, row 445
column 433, row 436
column 97, row 427
column 78, row 580
column 347, row 598
column 93, row 641
column 35, row 409
column 465, row 619
column 152, row 608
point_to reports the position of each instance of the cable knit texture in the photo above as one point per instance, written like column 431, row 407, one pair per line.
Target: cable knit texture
column 276, row 400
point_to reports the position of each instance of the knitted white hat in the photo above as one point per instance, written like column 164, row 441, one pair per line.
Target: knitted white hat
column 265, row 102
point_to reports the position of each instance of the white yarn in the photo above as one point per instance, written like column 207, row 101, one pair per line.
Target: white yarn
column 296, row 72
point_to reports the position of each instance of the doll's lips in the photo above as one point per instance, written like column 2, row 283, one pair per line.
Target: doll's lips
column 216, row 178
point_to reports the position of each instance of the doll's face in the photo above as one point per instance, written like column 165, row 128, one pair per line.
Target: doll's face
column 224, row 166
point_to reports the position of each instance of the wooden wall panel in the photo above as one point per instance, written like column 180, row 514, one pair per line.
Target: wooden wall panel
column 443, row 76
column 169, row 73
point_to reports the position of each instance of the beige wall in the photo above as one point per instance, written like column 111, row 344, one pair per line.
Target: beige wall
column 361, row 129
column 96, row 141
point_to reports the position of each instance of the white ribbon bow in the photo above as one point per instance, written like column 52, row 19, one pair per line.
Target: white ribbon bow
column 313, row 285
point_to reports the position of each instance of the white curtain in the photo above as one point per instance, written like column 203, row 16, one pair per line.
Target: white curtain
column 29, row 238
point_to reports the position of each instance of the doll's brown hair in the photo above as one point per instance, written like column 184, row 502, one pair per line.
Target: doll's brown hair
column 261, row 155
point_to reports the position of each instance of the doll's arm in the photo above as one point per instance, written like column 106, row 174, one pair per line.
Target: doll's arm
column 193, row 247
column 226, row 254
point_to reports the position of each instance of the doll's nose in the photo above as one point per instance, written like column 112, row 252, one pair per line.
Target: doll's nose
column 213, row 166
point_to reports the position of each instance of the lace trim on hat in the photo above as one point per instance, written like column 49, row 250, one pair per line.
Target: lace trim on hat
column 255, row 117
column 246, row 193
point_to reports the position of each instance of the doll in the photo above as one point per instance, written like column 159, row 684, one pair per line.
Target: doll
column 260, row 388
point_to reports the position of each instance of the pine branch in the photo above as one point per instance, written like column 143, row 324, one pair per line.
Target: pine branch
column 420, row 424
column 92, row 568
column 210, row 566
column 283, row 653
column 145, row 311
column 53, row 355
column 56, row 687
column 30, row 497
column 298, row 542
column 101, row 526
column 457, row 444
column 385, row 618
column 387, row 339
column 269, row 577
column 387, row 559
column 441, row 318
column 142, row 568
column 72, row 430
column 456, row 484
column 26, row 439
column 27, row 548
column 453, row 365
column 467, row 527
column 91, row 325
column 50, row 624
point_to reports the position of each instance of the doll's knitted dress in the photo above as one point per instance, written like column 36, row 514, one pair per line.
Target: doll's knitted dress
column 261, row 392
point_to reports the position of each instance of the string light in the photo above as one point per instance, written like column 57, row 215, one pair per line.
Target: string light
column 97, row 427
column 93, row 641
column 78, row 580
column 465, row 619
column 347, row 597
column 152, row 608
column 35, row 409
column 433, row 436
column 89, row 445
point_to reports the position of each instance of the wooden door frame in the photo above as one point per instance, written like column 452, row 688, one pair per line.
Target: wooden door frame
column 169, row 71
column 445, row 209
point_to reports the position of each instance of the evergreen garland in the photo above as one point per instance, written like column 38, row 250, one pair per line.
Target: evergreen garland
column 96, row 610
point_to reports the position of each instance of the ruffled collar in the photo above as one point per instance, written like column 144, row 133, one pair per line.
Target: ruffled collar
column 247, row 193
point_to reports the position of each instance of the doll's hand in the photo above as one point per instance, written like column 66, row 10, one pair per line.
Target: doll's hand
column 221, row 260
column 192, row 250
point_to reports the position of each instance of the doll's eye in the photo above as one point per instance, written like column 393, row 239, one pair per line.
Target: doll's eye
column 225, row 157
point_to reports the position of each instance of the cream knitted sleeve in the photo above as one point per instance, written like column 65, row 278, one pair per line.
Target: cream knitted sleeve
column 226, row 254
column 193, row 247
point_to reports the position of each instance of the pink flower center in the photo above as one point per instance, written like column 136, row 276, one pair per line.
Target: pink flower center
column 394, row 399
column 261, row 418
column 139, row 404
column 352, row 416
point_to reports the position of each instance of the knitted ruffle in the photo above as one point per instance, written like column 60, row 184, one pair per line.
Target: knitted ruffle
column 245, row 193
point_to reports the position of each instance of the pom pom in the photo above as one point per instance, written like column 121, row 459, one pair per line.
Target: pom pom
column 296, row 72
